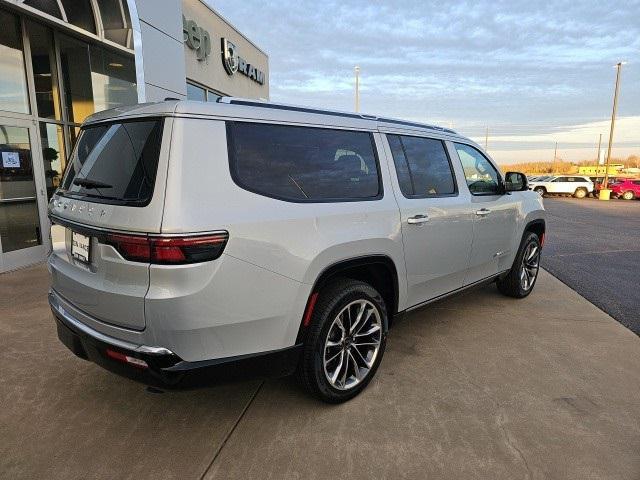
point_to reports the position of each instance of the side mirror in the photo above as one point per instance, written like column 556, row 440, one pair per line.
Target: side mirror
column 516, row 182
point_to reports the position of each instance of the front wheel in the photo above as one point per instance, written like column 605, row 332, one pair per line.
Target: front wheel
column 540, row 191
column 345, row 342
column 520, row 280
column 628, row 195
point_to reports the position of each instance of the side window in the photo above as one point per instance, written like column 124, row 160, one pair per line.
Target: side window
column 423, row 166
column 482, row 178
column 303, row 164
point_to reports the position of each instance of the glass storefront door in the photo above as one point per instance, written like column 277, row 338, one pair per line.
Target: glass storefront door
column 24, row 235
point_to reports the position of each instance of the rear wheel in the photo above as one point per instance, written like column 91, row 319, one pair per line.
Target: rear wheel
column 580, row 193
column 522, row 277
column 345, row 342
column 540, row 191
column 628, row 195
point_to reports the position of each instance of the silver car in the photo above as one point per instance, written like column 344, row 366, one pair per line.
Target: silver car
column 200, row 239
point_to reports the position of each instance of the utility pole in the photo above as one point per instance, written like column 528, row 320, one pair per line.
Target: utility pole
column 486, row 139
column 605, row 184
column 555, row 152
column 598, row 154
column 357, row 70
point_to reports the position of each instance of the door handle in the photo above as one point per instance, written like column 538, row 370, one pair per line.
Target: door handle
column 483, row 211
column 417, row 219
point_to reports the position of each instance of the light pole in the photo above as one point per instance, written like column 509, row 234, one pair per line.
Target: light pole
column 605, row 192
column 555, row 152
column 486, row 139
column 357, row 70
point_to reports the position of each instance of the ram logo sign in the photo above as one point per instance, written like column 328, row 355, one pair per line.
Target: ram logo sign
column 235, row 63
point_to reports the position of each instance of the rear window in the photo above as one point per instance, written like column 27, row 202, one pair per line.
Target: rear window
column 115, row 163
column 303, row 164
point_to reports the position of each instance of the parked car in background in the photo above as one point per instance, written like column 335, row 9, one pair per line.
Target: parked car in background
column 577, row 186
column 627, row 189
column 598, row 181
column 240, row 234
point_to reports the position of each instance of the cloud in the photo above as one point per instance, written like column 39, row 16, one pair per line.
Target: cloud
column 544, row 65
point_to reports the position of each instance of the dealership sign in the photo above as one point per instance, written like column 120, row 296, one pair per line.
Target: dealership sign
column 196, row 38
column 235, row 63
column 199, row 40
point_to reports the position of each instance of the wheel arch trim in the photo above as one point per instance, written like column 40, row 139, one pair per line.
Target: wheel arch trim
column 340, row 266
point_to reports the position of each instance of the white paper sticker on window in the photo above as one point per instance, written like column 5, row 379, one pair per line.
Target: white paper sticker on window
column 10, row 160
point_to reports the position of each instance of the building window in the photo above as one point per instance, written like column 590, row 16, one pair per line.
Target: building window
column 80, row 14
column 94, row 79
column 202, row 94
column 51, row 137
column 196, row 93
column 13, row 81
column 113, row 79
column 44, row 73
column 115, row 21
column 47, row 6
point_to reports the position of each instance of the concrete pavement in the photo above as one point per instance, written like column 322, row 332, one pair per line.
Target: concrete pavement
column 477, row 386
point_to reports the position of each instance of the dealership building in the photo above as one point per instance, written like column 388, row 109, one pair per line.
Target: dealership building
column 62, row 60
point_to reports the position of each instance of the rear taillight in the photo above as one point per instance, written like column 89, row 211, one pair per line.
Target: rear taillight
column 168, row 250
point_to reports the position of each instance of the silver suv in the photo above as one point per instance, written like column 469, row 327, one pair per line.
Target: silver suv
column 200, row 239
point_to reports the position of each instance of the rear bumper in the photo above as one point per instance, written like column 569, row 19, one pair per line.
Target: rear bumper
column 165, row 368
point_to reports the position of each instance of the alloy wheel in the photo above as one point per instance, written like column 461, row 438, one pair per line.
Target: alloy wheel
column 352, row 344
column 530, row 266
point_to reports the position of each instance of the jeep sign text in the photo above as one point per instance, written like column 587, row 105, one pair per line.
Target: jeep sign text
column 196, row 38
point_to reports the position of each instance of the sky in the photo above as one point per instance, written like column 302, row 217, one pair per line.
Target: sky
column 533, row 72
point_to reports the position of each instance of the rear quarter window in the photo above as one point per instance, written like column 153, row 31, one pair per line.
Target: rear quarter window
column 303, row 164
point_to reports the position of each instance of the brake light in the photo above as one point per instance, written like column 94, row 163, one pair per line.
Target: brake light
column 169, row 250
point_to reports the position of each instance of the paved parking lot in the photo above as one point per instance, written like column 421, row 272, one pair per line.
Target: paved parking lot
column 478, row 386
column 594, row 247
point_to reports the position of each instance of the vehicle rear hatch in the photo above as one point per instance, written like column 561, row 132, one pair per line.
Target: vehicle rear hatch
column 113, row 188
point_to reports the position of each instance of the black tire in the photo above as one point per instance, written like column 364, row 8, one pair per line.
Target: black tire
column 580, row 193
column 332, row 300
column 512, row 284
column 540, row 191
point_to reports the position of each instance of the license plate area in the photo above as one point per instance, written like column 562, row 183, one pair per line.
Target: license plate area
column 81, row 247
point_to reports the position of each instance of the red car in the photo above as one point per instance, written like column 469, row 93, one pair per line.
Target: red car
column 627, row 189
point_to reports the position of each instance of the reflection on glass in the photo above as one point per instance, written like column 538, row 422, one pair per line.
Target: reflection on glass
column 13, row 83
column 76, row 76
column 53, row 155
column 95, row 79
column 19, row 219
column 46, row 6
column 113, row 79
column 80, row 14
column 196, row 93
column 44, row 74
column 115, row 22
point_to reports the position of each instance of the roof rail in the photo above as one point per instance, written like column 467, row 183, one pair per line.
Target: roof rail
column 295, row 108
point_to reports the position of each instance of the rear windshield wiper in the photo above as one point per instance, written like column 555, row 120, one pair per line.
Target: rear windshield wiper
column 86, row 183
